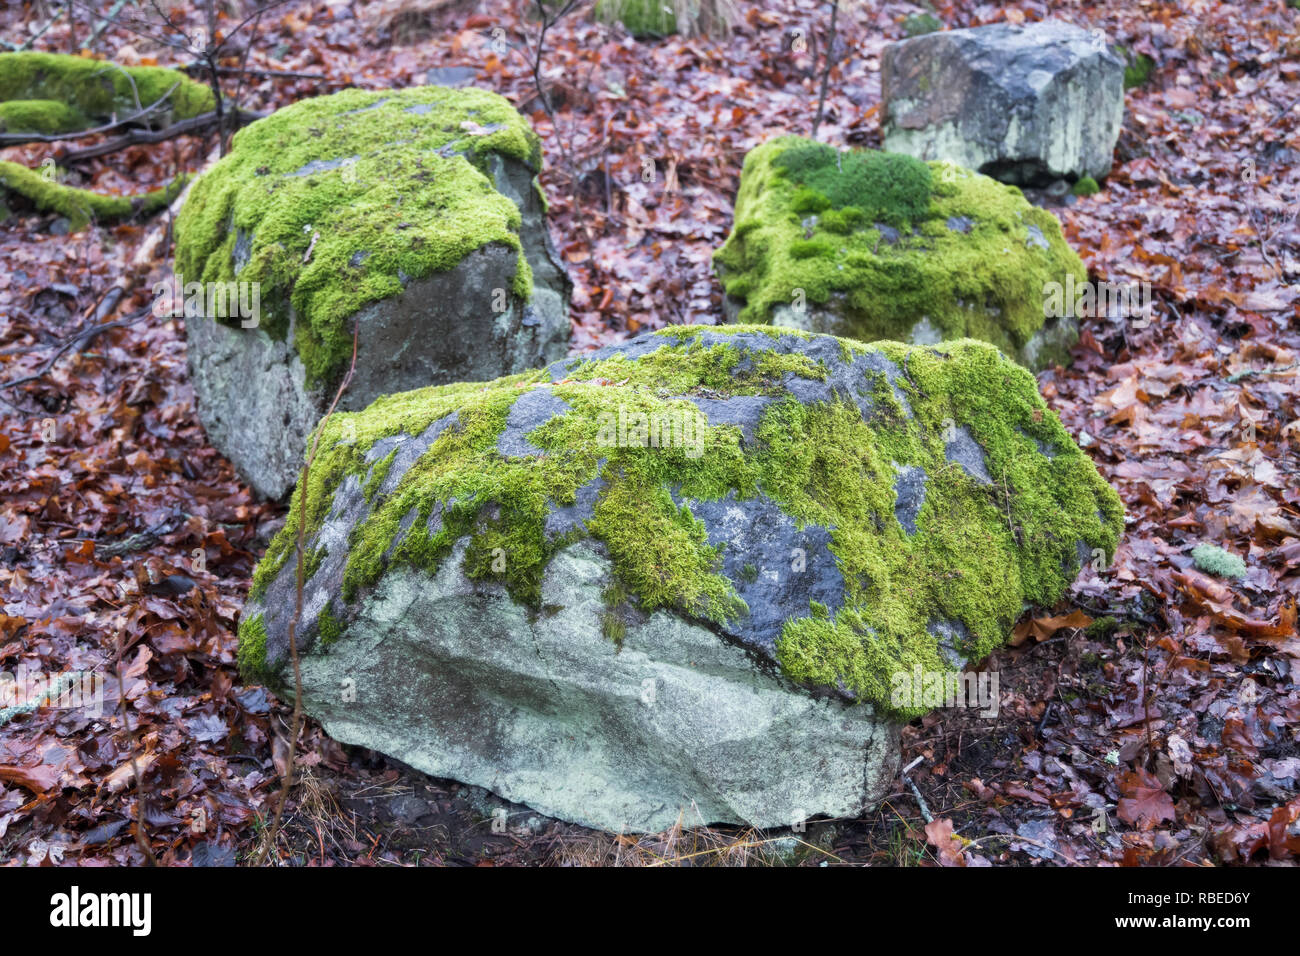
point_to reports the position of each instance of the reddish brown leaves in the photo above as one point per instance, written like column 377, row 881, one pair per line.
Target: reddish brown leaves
column 1144, row 803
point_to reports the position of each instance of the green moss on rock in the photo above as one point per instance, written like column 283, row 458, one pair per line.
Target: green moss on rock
column 39, row 116
column 252, row 650
column 88, row 92
column 881, row 242
column 979, row 553
column 80, row 206
column 380, row 186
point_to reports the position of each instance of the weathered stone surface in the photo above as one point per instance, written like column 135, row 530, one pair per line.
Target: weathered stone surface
column 678, row 574
column 422, row 249
column 460, row 681
column 883, row 246
column 1023, row 103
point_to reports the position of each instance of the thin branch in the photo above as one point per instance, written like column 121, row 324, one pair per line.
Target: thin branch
column 303, row 485
column 76, row 342
column 826, row 68
column 138, row 137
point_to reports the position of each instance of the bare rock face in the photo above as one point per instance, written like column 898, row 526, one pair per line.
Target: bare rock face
column 701, row 572
column 1025, row 104
column 412, row 216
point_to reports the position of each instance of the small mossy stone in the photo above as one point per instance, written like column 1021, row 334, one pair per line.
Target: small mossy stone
column 1137, row 67
column 1213, row 559
column 45, row 117
column 1086, row 186
column 877, row 246
column 94, row 91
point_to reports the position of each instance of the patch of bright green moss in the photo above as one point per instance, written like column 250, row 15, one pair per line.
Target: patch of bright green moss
column 641, row 18
column 1137, row 68
column 881, row 253
column 93, row 92
column 329, row 626
column 252, row 650
column 1086, row 186
column 40, row 116
column 979, row 555
column 888, row 187
column 80, row 206
column 380, row 186
column 1212, row 559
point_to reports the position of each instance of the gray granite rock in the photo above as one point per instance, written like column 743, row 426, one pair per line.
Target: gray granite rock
column 456, row 679
column 1026, row 103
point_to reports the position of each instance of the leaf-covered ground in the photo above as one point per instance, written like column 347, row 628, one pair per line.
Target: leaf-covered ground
column 1152, row 719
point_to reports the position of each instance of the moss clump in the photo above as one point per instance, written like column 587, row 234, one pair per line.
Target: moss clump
column 868, row 245
column 1086, row 186
column 888, row 187
column 641, row 18
column 80, row 206
column 1102, row 628
column 329, row 627
column 93, row 92
column 39, row 116
column 1212, row 559
column 382, row 187
column 980, row 552
column 919, row 24
column 252, row 650
column 612, row 627
column 1137, row 67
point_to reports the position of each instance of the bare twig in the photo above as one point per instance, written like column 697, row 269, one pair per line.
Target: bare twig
column 826, row 68
column 303, row 484
column 137, row 137
column 76, row 342
column 926, row 815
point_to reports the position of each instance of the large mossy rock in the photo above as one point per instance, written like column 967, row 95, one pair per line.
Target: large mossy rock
column 46, row 93
column 684, row 570
column 876, row 245
column 1024, row 103
column 413, row 214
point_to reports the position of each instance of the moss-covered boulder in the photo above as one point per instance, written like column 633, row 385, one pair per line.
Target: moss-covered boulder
column 413, row 215
column 877, row 245
column 761, row 529
column 47, row 93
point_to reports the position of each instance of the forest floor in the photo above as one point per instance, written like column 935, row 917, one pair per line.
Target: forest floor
column 1149, row 720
